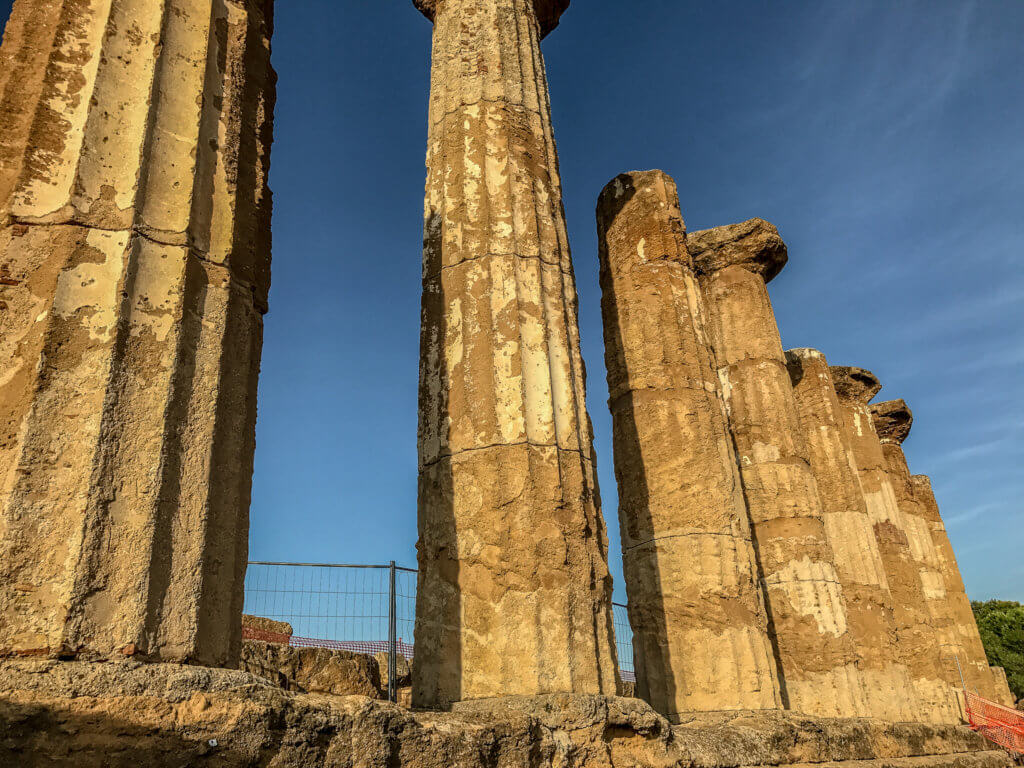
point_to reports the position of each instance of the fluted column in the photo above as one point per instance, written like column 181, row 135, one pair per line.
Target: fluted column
column 1001, row 688
column 514, row 593
column 699, row 627
column 889, row 694
column 892, row 421
column 806, row 607
column 917, row 640
column 135, row 256
column 974, row 662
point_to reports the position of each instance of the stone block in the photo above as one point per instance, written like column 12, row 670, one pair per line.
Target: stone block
column 313, row 670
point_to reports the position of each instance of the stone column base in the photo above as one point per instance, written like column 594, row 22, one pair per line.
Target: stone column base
column 134, row 715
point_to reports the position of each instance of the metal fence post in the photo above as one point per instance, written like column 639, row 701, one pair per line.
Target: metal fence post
column 392, row 639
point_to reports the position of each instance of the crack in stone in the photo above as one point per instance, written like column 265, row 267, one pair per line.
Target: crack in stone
column 531, row 443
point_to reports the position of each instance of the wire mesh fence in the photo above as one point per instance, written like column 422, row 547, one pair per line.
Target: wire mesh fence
column 361, row 608
column 624, row 642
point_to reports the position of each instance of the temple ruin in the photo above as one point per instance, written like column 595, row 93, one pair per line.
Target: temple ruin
column 844, row 564
column 802, row 591
column 700, row 630
column 514, row 593
column 136, row 263
column 794, row 596
column 887, row 687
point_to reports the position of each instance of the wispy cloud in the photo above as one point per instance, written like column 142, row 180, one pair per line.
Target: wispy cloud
column 958, row 518
column 969, row 452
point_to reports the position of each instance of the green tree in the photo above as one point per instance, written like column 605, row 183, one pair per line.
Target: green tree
column 1001, row 623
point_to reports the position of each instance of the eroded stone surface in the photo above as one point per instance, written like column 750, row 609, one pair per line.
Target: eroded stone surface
column 917, row 641
column 975, row 666
column 754, row 245
column 135, row 254
column 700, row 634
column 313, row 670
column 1002, row 693
column 547, row 12
column 129, row 715
column 892, row 421
column 403, row 670
column 278, row 630
column 805, row 601
column 887, row 686
column 514, row 593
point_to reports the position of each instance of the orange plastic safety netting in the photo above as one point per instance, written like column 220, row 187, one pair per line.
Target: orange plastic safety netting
column 999, row 724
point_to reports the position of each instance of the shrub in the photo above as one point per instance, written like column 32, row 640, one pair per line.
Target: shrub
column 1001, row 623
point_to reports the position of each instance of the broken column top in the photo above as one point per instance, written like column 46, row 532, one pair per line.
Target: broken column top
column 852, row 383
column 892, row 420
column 922, row 481
column 796, row 359
column 805, row 353
column 641, row 208
column 625, row 186
column 548, row 11
column 754, row 245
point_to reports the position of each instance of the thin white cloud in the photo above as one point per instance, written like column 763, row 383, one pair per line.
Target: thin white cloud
column 959, row 518
column 968, row 452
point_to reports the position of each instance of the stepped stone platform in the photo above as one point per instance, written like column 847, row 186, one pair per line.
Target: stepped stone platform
column 89, row 715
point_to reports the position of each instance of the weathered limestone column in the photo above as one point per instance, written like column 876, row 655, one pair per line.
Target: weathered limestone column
column 135, row 256
column 917, row 641
column 806, row 607
column 974, row 662
column 892, row 421
column 889, row 693
column 514, row 593
column 699, row 627
column 1001, row 683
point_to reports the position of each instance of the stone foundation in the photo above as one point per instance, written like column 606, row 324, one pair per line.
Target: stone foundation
column 129, row 714
column 314, row 670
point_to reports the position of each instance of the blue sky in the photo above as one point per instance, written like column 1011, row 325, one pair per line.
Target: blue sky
column 884, row 139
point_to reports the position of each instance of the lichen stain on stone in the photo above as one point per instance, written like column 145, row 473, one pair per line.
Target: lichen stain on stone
column 765, row 452
column 88, row 290
column 801, row 580
column 48, row 170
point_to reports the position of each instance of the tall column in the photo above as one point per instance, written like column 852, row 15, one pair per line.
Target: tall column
column 514, row 593
column 889, row 693
column 917, row 642
column 1001, row 684
column 806, row 607
column 135, row 255
column 892, row 421
column 974, row 662
column 699, row 627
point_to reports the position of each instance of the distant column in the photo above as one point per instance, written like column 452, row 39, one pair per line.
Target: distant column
column 974, row 661
column 135, row 264
column 514, row 592
column 918, row 645
column 806, row 607
column 889, row 693
column 892, row 421
column 699, row 626
column 1001, row 684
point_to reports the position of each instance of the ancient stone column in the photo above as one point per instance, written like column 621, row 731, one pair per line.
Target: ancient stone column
column 892, row 421
column 1001, row 684
column 889, row 694
column 974, row 662
column 514, row 593
column 917, row 640
column 698, row 618
column 135, row 256
column 806, row 607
